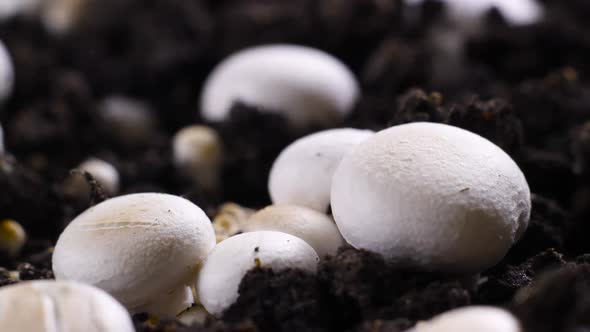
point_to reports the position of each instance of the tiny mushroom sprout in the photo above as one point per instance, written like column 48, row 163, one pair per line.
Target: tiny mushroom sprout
column 104, row 173
column 231, row 259
column 143, row 249
column 12, row 237
column 309, row 85
column 198, row 154
column 315, row 228
column 471, row 319
column 6, row 73
column 230, row 220
column 302, row 173
column 431, row 196
column 55, row 306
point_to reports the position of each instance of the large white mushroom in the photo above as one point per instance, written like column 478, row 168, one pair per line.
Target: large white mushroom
column 310, row 86
column 471, row 319
column 431, row 195
column 143, row 249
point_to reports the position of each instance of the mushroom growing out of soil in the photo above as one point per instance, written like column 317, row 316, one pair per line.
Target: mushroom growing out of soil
column 143, row 249
column 315, row 228
column 309, row 85
column 432, row 196
column 232, row 258
column 50, row 306
column 471, row 319
column 302, row 173
column 103, row 172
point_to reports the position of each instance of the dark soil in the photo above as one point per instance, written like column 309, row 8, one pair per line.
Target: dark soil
column 527, row 89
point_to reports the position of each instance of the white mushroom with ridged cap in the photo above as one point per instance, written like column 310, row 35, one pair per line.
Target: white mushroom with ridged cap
column 308, row 85
column 471, row 319
column 315, row 228
column 54, row 306
column 433, row 196
column 232, row 258
column 143, row 249
column 302, row 173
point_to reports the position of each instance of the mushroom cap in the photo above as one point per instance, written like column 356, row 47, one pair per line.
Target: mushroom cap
column 136, row 247
column 431, row 195
column 6, row 73
column 47, row 306
column 315, row 228
column 232, row 258
column 311, row 86
column 302, row 173
column 470, row 319
column 105, row 173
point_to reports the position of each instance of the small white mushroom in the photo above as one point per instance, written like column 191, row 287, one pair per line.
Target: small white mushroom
column 315, row 228
column 104, row 173
column 11, row 8
column 310, row 86
column 131, row 121
column 12, row 237
column 143, row 249
column 471, row 319
column 53, row 306
column 198, row 154
column 6, row 73
column 231, row 259
column 433, row 196
column 302, row 173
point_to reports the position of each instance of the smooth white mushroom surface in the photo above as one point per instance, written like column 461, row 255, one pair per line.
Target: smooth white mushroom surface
column 302, row 173
column 143, row 249
column 471, row 319
column 6, row 73
column 433, row 196
column 309, row 85
column 315, row 228
column 198, row 153
column 58, row 306
column 103, row 172
column 132, row 121
column 232, row 258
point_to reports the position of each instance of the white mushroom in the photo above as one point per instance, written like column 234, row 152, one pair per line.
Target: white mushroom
column 431, row 195
column 6, row 73
column 231, row 259
column 143, row 249
column 315, row 228
column 302, row 174
column 230, row 220
column 198, row 153
column 11, row 8
column 12, row 237
column 104, row 173
column 310, row 86
column 131, row 121
column 54, row 306
column 471, row 319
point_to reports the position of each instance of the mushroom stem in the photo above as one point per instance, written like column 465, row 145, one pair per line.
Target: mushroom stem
column 170, row 305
